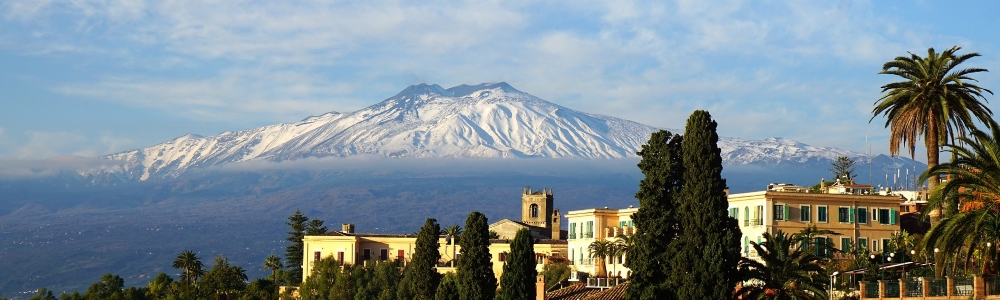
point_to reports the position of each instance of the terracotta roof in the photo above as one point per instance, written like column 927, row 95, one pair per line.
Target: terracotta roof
column 573, row 292
column 614, row 293
column 537, row 241
column 399, row 235
column 580, row 291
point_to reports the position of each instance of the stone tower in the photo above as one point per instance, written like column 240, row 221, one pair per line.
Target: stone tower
column 536, row 209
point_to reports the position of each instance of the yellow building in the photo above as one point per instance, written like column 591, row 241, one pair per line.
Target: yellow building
column 859, row 216
column 538, row 215
column 597, row 224
column 354, row 248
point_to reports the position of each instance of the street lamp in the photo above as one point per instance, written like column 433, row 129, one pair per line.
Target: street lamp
column 937, row 264
column 833, row 280
column 881, row 272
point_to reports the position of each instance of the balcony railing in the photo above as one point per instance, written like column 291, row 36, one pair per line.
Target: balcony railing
column 590, row 235
column 603, row 282
column 757, row 222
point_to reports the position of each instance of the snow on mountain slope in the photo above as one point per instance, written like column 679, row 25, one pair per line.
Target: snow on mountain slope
column 486, row 120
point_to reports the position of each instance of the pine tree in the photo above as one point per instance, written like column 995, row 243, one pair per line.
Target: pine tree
column 656, row 221
column 709, row 240
column 518, row 280
column 316, row 227
column 293, row 252
column 448, row 289
column 476, row 280
column 423, row 276
column 843, row 169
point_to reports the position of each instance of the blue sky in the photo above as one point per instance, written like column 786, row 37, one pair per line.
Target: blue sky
column 92, row 77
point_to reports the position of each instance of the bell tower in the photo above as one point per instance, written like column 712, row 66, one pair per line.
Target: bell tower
column 536, row 208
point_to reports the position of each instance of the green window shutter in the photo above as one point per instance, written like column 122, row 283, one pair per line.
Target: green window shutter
column 746, row 216
column 892, row 216
column 786, row 212
column 827, row 251
column 851, row 220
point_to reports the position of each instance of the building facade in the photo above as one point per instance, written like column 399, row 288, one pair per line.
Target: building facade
column 859, row 217
column 538, row 215
column 348, row 247
column 589, row 225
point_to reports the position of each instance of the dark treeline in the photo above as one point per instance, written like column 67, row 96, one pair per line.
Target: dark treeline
column 329, row 279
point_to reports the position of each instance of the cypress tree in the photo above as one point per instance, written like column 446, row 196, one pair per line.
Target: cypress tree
column 293, row 252
column 448, row 289
column 656, row 221
column 518, row 279
column 708, row 245
column 476, row 280
column 423, row 276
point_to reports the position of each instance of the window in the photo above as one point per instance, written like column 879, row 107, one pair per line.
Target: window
column 734, row 213
column 746, row 246
column 845, row 244
column 503, row 256
column 534, row 210
column 875, row 246
column 367, row 254
column 874, row 214
column 621, row 224
column 781, row 212
column 887, row 216
column 383, row 254
column 862, row 215
column 821, row 215
column 862, row 243
column 746, row 216
column 316, row 255
column 400, row 255
column 844, row 214
column 885, row 244
column 572, row 231
column 340, row 256
column 572, row 257
column 805, row 213
column 590, row 229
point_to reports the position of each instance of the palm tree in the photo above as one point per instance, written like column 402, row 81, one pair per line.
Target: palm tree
column 785, row 271
column 599, row 250
column 974, row 190
column 191, row 264
column 273, row 263
column 452, row 231
column 621, row 247
column 934, row 100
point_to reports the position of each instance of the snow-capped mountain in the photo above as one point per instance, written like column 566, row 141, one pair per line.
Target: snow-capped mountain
column 486, row 120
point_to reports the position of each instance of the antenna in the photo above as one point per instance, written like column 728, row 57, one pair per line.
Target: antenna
column 869, row 154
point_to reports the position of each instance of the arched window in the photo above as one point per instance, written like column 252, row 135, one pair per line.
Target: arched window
column 534, row 210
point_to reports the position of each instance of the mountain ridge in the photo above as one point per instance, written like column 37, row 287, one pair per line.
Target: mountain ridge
column 489, row 120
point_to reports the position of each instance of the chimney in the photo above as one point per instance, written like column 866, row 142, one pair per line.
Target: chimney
column 822, row 185
column 540, row 287
column 347, row 228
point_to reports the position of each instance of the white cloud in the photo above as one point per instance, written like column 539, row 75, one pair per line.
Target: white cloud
column 36, row 145
column 30, row 168
column 768, row 69
column 232, row 95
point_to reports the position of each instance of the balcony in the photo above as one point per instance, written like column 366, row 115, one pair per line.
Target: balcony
column 757, row 222
column 603, row 283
